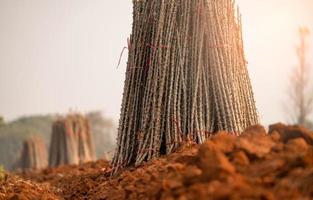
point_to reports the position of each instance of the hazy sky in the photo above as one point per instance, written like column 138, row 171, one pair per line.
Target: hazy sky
column 62, row 54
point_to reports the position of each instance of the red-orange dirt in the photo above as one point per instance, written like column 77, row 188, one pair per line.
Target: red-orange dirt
column 256, row 165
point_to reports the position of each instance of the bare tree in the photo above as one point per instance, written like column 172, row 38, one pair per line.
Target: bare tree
column 301, row 98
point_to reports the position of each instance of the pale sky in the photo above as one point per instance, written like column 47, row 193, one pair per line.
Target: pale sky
column 57, row 55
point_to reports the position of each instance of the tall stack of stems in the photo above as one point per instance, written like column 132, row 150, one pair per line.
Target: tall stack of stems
column 71, row 141
column 186, row 78
column 34, row 154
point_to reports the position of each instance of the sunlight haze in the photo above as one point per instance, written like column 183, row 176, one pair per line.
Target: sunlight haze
column 61, row 55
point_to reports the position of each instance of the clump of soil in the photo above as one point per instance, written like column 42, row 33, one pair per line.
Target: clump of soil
column 14, row 188
column 255, row 165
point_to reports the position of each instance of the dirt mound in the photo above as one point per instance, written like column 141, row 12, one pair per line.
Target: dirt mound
column 14, row 188
column 57, row 174
column 255, row 165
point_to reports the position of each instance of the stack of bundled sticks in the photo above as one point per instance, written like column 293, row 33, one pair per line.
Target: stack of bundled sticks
column 71, row 141
column 34, row 154
column 186, row 78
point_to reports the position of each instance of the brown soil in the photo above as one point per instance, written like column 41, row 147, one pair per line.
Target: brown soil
column 14, row 188
column 256, row 165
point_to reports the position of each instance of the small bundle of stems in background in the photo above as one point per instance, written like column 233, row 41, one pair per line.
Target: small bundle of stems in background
column 71, row 141
column 34, row 154
column 186, row 78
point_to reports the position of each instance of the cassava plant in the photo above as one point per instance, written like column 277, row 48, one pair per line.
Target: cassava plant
column 186, row 78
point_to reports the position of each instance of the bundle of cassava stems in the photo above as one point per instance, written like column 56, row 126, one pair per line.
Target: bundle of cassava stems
column 71, row 141
column 186, row 78
column 34, row 154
